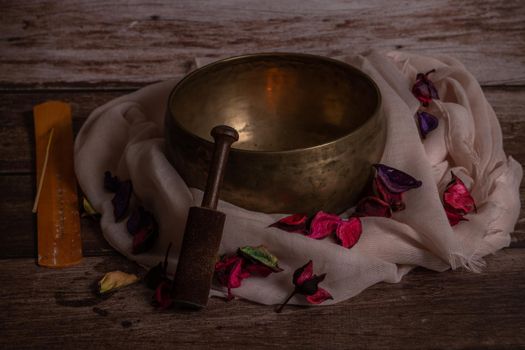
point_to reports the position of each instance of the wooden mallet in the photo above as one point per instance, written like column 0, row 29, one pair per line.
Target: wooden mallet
column 203, row 233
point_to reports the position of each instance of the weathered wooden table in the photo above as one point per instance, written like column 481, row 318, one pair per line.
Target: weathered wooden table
column 88, row 52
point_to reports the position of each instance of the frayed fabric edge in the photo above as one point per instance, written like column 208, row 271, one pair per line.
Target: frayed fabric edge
column 475, row 263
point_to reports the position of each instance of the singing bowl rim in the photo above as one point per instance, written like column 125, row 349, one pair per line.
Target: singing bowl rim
column 202, row 70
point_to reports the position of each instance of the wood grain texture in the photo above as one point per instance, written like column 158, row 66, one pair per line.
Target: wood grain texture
column 18, row 238
column 88, row 43
column 450, row 310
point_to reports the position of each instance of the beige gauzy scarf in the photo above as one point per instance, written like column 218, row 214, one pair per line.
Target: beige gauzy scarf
column 126, row 136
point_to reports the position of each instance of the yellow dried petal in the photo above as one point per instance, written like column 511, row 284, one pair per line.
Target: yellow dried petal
column 88, row 208
column 116, row 279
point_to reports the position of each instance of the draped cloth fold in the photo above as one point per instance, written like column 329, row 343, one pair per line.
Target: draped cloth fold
column 126, row 136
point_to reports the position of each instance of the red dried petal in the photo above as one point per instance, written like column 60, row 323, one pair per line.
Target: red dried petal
column 303, row 273
column 348, row 232
column 224, row 266
column 145, row 237
column 373, row 206
column 258, row 270
column 235, row 276
column 454, row 218
column 323, row 224
column 163, row 297
column 457, row 198
column 292, row 223
column 395, row 200
column 318, row 297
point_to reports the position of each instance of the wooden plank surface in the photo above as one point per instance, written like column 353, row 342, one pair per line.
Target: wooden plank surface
column 16, row 131
column 51, row 308
column 88, row 43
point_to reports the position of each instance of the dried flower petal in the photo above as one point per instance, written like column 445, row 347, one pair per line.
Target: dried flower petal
column 424, row 90
column 396, row 181
column 348, row 232
column 457, row 197
column 145, row 237
column 236, row 276
column 373, row 206
column 395, row 200
column 319, row 296
column 261, row 255
column 303, row 274
column 307, row 284
column 121, row 200
column 454, row 218
column 111, row 183
column 323, row 224
column 259, row 270
column 136, row 220
column 158, row 273
column 88, row 208
column 426, row 122
column 116, row 279
column 293, row 223
column 163, row 298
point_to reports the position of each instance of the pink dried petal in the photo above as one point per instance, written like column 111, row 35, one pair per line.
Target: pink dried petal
column 424, row 90
column 373, row 206
column 303, row 273
column 457, row 197
column 348, row 232
column 292, row 223
column 318, row 297
column 454, row 218
column 395, row 200
column 163, row 297
column 323, row 224
column 224, row 266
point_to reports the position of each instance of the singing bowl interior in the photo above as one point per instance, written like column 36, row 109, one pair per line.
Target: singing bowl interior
column 277, row 102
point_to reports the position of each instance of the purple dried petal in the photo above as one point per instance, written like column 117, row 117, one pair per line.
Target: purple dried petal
column 395, row 180
column 426, row 123
column 424, row 90
column 137, row 219
column 111, row 183
column 121, row 200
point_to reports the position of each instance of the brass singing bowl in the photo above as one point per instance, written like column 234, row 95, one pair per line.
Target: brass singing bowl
column 309, row 130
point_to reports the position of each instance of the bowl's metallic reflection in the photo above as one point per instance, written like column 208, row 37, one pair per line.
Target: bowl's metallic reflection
column 310, row 128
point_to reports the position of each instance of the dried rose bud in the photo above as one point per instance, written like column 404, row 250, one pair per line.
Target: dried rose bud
column 307, row 284
column 424, row 90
